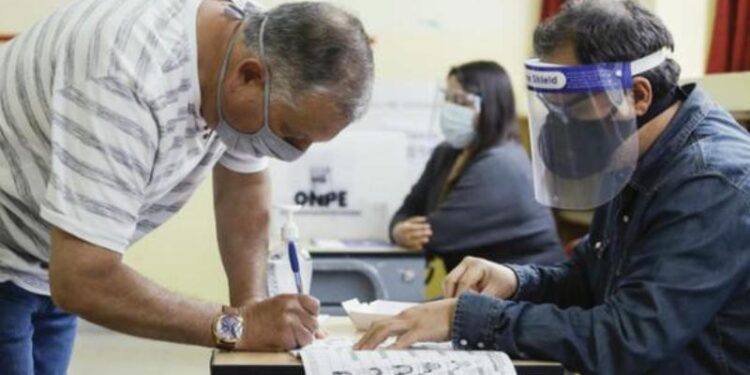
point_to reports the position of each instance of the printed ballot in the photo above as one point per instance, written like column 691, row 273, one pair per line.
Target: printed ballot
column 334, row 355
column 321, row 361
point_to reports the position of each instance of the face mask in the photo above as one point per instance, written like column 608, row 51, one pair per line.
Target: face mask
column 263, row 142
column 457, row 124
column 588, row 144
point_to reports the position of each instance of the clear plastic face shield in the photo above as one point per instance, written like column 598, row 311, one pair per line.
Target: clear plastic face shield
column 583, row 129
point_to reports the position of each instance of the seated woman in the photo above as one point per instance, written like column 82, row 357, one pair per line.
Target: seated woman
column 475, row 196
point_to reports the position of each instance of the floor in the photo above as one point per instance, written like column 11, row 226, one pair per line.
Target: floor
column 100, row 351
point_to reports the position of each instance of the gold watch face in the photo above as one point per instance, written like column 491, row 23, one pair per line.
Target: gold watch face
column 229, row 328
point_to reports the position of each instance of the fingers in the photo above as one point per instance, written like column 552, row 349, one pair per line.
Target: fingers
column 417, row 243
column 309, row 322
column 451, row 281
column 287, row 339
column 469, row 281
column 297, row 318
column 413, row 233
column 405, row 341
column 321, row 334
column 417, row 223
column 416, row 237
column 379, row 332
column 468, row 275
column 417, row 219
column 310, row 304
column 305, row 309
column 417, row 234
column 302, row 335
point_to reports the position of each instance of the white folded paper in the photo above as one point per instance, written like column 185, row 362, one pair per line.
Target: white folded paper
column 363, row 315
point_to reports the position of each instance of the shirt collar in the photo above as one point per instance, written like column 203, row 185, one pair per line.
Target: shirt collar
column 692, row 111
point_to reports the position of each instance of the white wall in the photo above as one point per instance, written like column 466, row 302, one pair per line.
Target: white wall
column 16, row 16
column 691, row 24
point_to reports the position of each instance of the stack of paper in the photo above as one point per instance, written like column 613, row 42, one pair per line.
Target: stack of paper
column 323, row 361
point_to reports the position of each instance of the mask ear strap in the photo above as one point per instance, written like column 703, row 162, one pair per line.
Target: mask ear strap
column 266, row 71
column 648, row 62
column 223, row 72
column 239, row 13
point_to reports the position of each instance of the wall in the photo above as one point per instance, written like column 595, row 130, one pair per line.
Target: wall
column 416, row 40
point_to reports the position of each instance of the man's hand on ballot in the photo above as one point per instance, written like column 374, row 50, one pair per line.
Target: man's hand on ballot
column 429, row 322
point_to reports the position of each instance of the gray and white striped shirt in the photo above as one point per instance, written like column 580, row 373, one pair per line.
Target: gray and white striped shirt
column 100, row 131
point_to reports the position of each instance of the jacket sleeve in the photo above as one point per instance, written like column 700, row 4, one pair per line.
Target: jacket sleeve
column 415, row 203
column 563, row 284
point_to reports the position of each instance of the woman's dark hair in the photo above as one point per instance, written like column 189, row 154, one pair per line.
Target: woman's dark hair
column 497, row 120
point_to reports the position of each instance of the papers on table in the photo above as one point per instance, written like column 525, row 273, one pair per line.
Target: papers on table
column 334, row 355
column 326, row 361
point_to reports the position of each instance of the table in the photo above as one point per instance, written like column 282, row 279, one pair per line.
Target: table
column 236, row 363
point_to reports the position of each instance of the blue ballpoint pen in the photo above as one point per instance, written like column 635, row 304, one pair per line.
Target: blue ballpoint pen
column 295, row 266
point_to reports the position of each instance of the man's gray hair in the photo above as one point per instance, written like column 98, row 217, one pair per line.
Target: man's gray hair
column 610, row 31
column 314, row 47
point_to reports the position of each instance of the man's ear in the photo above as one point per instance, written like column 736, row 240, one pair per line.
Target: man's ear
column 250, row 71
column 643, row 96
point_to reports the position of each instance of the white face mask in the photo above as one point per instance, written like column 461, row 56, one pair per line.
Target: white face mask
column 457, row 124
column 263, row 142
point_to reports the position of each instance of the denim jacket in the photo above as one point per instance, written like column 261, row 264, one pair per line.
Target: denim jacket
column 661, row 284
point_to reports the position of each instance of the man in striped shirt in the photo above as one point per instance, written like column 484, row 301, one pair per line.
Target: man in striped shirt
column 111, row 113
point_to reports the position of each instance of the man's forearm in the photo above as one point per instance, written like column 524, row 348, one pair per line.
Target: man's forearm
column 242, row 217
column 245, row 267
column 93, row 283
column 128, row 302
column 243, row 243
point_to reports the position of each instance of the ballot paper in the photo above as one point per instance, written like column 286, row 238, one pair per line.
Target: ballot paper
column 347, row 343
column 363, row 315
column 322, row 361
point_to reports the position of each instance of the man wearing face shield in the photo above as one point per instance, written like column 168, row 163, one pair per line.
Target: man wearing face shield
column 111, row 114
column 661, row 283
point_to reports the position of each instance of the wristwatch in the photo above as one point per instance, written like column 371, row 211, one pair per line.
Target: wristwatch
column 227, row 328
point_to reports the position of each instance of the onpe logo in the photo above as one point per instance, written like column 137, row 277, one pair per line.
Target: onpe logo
column 322, row 193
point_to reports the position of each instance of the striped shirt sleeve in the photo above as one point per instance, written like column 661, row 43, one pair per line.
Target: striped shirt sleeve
column 103, row 143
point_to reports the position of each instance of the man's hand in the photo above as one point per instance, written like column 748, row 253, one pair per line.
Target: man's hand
column 430, row 322
column 481, row 276
column 412, row 233
column 284, row 322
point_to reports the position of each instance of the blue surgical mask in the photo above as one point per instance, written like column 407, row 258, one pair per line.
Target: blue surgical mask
column 457, row 124
column 264, row 142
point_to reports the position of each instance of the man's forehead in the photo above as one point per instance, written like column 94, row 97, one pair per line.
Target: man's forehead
column 319, row 117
